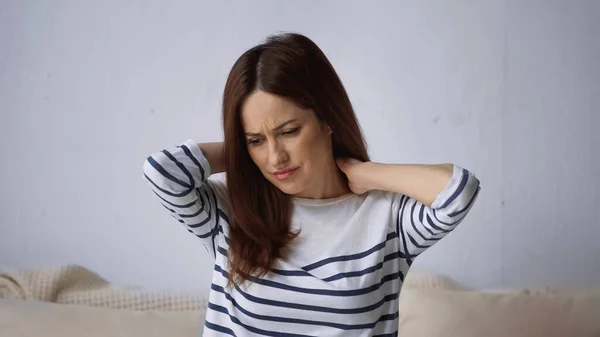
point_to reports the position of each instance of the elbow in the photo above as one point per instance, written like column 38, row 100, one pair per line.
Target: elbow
column 147, row 167
column 151, row 167
column 471, row 182
column 470, row 190
column 460, row 191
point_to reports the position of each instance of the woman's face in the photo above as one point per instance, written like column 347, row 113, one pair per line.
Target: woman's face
column 290, row 145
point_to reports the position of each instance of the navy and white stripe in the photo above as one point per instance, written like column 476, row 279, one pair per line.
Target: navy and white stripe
column 343, row 274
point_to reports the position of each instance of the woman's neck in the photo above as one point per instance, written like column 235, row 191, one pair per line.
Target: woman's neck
column 331, row 184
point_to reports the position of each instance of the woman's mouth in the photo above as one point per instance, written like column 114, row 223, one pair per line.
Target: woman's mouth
column 284, row 174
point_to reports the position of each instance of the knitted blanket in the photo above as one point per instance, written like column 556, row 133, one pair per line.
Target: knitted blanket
column 73, row 284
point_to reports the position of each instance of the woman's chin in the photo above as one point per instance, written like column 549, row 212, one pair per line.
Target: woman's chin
column 288, row 188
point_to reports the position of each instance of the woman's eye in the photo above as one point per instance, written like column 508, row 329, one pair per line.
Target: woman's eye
column 254, row 142
column 290, row 132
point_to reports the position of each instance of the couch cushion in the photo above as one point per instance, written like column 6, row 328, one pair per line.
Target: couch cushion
column 428, row 312
column 34, row 319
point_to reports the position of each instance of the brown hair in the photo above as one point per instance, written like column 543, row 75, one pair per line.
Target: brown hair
column 293, row 67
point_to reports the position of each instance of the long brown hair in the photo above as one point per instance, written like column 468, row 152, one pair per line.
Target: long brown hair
column 291, row 66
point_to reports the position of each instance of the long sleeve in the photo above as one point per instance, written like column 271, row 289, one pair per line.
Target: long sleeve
column 178, row 177
column 419, row 226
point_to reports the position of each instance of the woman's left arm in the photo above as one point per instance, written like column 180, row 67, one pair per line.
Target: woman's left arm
column 422, row 182
column 432, row 199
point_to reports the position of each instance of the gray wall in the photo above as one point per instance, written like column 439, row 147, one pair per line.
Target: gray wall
column 509, row 89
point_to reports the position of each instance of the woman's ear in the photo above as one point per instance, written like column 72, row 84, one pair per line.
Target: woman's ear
column 329, row 129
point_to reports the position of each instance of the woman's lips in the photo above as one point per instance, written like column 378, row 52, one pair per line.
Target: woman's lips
column 284, row 174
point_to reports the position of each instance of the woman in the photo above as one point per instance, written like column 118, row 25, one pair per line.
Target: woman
column 310, row 238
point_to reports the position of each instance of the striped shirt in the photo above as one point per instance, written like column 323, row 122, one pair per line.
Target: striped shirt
column 340, row 277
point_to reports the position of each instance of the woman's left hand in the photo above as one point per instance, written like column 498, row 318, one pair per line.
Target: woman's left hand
column 356, row 171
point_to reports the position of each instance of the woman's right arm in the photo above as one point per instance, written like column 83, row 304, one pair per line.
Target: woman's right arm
column 178, row 176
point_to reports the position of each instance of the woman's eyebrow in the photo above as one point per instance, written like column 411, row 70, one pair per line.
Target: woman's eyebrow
column 279, row 127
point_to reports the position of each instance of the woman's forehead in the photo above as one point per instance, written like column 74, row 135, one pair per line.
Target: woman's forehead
column 267, row 110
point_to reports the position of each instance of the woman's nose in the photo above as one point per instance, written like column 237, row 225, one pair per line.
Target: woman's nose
column 277, row 154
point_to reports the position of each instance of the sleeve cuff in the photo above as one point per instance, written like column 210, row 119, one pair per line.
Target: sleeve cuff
column 450, row 187
column 197, row 153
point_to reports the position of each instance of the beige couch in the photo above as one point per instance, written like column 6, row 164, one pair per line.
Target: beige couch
column 72, row 301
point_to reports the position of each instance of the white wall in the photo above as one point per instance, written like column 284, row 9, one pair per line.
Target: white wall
column 509, row 89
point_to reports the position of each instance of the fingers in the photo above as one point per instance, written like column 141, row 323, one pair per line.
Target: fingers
column 342, row 163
